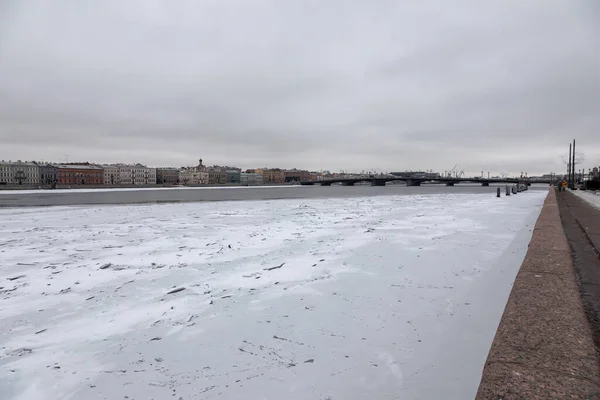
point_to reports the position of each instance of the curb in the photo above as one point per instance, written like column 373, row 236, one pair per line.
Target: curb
column 543, row 348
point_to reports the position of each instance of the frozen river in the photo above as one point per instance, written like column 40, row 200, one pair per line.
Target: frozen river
column 382, row 297
column 29, row 198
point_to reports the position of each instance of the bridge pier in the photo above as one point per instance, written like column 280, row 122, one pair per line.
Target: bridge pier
column 326, row 184
column 411, row 182
column 348, row 183
column 485, row 184
column 450, row 184
column 377, row 183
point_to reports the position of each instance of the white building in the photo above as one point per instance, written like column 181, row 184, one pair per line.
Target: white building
column 137, row 175
column 112, row 175
column 19, row 173
column 124, row 174
column 147, row 177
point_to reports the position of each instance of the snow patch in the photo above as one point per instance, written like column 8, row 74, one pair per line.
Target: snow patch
column 370, row 297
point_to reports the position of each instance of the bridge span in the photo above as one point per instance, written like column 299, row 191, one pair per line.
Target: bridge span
column 412, row 181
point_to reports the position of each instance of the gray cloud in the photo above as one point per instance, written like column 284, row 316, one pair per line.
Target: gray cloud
column 500, row 86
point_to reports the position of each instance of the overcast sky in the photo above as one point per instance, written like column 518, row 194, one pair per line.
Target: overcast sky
column 498, row 85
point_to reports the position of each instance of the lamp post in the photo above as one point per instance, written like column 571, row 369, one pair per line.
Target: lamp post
column 573, row 166
column 569, row 165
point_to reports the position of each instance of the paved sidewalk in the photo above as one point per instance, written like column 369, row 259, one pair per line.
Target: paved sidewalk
column 590, row 197
column 581, row 221
column 544, row 347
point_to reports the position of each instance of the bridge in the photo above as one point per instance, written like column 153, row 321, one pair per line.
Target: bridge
column 414, row 181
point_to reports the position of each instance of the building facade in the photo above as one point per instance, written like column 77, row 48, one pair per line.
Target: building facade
column 144, row 175
column 48, row 174
column 217, row 177
column 79, row 174
column 5, row 173
column 112, row 175
column 197, row 175
column 250, row 179
column 233, row 177
column 19, row 173
column 191, row 176
column 295, row 175
column 185, row 176
column 167, row 176
column 271, row 176
column 137, row 174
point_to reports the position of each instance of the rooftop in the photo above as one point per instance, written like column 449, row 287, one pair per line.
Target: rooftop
column 75, row 166
column 18, row 162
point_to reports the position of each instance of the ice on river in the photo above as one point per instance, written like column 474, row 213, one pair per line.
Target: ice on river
column 376, row 297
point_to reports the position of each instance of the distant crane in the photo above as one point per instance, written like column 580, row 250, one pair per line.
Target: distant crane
column 451, row 171
column 454, row 173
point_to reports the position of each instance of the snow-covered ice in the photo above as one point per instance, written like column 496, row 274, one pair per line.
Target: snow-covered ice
column 373, row 297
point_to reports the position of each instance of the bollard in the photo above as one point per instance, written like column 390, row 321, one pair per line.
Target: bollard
column 498, row 192
column 507, row 191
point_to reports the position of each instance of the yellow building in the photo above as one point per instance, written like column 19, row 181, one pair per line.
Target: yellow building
column 274, row 175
